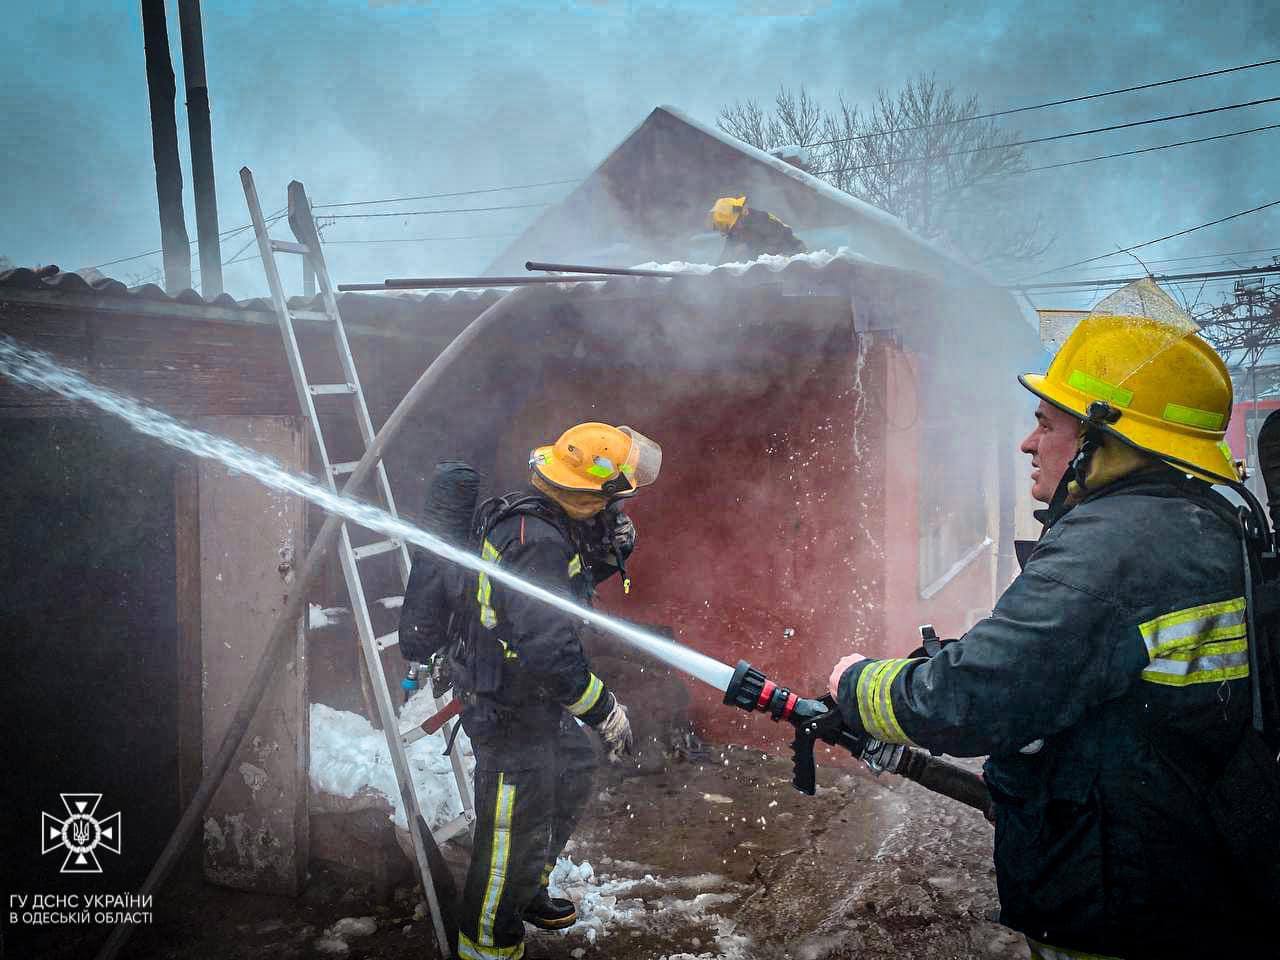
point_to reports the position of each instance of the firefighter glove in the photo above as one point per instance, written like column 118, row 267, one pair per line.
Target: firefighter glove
column 615, row 731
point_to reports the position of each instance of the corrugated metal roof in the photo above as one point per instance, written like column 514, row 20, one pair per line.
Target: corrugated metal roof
column 22, row 279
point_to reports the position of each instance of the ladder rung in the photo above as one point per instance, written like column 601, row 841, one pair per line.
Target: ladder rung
column 413, row 735
column 459, row 824
column 338, row 469
column 288, row 246
column 316, row 316
column 324, row 389
column 373, row 549
column 387, row 640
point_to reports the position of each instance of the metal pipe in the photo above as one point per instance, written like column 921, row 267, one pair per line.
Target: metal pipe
column 452, row 283
column 608, row 271
column 282, row 634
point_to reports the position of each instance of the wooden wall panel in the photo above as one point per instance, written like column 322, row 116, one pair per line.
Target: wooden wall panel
column 256, row 831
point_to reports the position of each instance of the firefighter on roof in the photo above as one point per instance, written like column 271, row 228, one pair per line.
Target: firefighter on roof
column 1110, row 687
column 528, row 689
column 749, row 233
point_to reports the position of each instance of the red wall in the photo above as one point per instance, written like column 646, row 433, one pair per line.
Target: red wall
column 785, row 502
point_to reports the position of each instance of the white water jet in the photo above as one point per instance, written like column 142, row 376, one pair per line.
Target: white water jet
column 35, row 368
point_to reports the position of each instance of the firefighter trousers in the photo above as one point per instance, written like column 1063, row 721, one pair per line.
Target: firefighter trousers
column 527, row 806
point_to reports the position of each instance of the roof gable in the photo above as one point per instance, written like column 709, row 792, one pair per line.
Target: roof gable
column 648, row 200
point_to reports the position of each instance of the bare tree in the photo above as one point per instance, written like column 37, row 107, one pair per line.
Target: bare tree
column 796, row 120
column 914, row 154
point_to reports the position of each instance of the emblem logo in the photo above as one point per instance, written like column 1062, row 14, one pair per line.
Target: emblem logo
column 81, row 833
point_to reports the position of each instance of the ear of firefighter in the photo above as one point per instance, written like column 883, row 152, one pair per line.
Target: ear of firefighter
column 1136, row 368
column 725, row 213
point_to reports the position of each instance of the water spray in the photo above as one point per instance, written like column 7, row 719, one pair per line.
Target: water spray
column 37, row 369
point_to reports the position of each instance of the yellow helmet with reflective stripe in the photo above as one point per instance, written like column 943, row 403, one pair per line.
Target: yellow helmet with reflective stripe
column 1137, row 368
column 598, row 458
column 725, row 213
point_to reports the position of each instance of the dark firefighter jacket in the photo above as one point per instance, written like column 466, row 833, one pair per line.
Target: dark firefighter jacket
column 524, row 662
column 1122, row 646
column 758, row 232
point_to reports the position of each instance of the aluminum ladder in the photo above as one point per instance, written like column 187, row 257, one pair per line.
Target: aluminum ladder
column 371, row 646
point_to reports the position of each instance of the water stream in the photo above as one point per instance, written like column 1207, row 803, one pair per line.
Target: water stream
column 37, row 369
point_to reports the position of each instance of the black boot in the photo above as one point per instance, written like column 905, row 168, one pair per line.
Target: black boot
column 550, row 913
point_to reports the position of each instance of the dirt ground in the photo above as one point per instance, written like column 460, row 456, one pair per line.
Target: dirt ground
column 720, row 860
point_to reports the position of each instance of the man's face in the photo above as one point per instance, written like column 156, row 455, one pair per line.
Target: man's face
column 1052, row 446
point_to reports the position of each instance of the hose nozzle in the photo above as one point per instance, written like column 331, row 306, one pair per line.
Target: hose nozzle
column 751, row 690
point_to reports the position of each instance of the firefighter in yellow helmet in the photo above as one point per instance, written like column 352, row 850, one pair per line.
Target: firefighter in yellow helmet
column 749, row 233
column 1111, row 687
column 528, row 689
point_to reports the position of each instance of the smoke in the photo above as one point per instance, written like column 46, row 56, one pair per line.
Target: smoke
column 401, row 98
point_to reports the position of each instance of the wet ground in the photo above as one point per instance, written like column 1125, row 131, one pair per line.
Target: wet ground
column 720, row 860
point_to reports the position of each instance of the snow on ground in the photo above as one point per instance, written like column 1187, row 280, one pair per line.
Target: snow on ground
column 320, row 617
column 817, row 258
column 613, row 904
column 349, row 757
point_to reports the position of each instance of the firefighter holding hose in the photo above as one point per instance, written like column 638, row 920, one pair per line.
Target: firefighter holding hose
column 527, row 688
column 1111, row 687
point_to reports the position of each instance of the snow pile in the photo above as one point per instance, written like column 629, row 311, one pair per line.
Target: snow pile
column 350, row 758
column 610, row 904
column 774, row 261
column 795, row 155
column 320, row 617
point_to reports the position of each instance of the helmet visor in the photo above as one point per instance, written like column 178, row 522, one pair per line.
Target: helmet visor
column 644, row 459
column 1154, row 323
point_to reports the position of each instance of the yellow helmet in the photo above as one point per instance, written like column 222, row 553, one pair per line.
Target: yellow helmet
column 724, row 215
column 1136, row 368
column 598, row 458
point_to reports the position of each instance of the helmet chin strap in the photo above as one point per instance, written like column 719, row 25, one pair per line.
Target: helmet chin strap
column 1098, row 413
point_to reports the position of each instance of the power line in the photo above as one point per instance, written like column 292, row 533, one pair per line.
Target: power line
column 1164, row 278
column 474, row 236
column 1057, row 136
column 458, row 193
column 1130, row 153
column 427, row 213
column 1206, row 256
column 1050, row 103
column 254, row 239
column 226, row 234
column 1139, row 246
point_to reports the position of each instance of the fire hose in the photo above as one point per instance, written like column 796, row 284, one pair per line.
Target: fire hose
column 818, row 719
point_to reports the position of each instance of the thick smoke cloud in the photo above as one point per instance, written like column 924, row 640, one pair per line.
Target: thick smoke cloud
column 393, row 98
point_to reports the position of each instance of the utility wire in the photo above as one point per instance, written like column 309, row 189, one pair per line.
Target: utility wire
column 1130, row 153
column 474, row 236
column 1121, row 281
column 1139, row 246
column 1050, row 103
column 427, row 213
column 224, row 235
column 252, row 240
column 1057, row 136
column 458, row 193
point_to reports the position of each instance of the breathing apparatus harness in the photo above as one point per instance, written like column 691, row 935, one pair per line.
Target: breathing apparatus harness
column 1257, row 549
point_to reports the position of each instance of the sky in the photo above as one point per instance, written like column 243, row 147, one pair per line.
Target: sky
column 367, row 99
